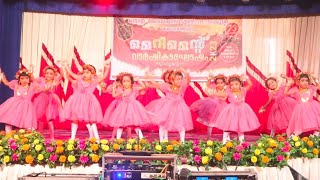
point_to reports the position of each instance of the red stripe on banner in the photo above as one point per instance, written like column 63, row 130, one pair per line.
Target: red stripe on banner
column 255, row 69
column 21, row 64
column 50, row 57
column 289, row 54
column 289, row 71
column 43, row 64
column 75, row 50
column 108, row 55
column 200, row 88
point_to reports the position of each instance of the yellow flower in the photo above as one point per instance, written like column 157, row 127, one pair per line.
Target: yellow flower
column 104, row 141
column 71, row 158
column 224, row 150
column 295, row 138
column 297, row 144
column 158, row 148
column 272, row 143
column 310, row 143
column 254, row 159
column 25, row 147
column 40, row 157
column 22, row 131
column 257, row 152
column 6, row 159
column 116, row 146
column 129, row 147
column 70, row 147
column 38, row 147
column 71, row 141
column 131, row 141
column 94, row 157
column 36, row 141
column 208, row 151
column 210, row 143
column 105, row 147
column 16, row 137
column 229, row 144
column 1, row 148
column 205, row 159
column 260, row 145
column 165, row 141
column 304, row 150
column 94, row 147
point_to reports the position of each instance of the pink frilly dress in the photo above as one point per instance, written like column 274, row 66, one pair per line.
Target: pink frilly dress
column 238, row 115
column 171, row 111
column 19, row 110
column 306, row 114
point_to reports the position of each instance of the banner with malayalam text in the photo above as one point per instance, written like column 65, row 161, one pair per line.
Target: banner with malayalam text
column 201, row 46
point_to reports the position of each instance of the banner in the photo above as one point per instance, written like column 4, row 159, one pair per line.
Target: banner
column 201, row 46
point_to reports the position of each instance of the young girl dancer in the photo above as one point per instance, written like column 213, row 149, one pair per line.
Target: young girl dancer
column 173, row 114
column 208, row 109
column 167, row 78
column 18, row 110
column 238, row 115
column 281, row 110
column 306, row 114
column 129, row 112
column 82, row 105
column 47, row 103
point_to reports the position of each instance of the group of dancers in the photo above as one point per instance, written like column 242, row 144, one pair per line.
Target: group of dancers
column 294, row 108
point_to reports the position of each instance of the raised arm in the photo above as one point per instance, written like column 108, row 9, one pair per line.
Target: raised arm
column 116, row 93
column 68, row 76
column 105, row 72
column 71, row 74
column 187, row 76
column 3, row 78
column 152, row 83
column 141, row 86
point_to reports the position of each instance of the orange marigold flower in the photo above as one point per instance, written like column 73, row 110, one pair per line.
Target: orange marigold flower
column 95, row 158
column 305, row 139
column 25, row 147
column 59, row 149
column 169, row 148
column 229, row 144
column 116, row 146
column 265, row 159
column 310, row 143
column 24, row 140
column 62, row 158
column 281, row 138
column 175, row 142
column 315, row 151
column 143, row 141
column 2, row 133
column 21, row 136
column 59, row 143
column 29, row 159
column 269, row 150
column 94, row 147
column 218, row 156
column 120, row 141
column 93, row 140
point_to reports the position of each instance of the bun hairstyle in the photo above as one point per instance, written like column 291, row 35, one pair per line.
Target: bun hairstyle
column 121, row 75
column 167, row 74
column 50, row 67
column 176, row 73
column 24, row 72
column 235, row 78
column 268, row 79
column 220, row 76
column 90, row 68
column 304, row 75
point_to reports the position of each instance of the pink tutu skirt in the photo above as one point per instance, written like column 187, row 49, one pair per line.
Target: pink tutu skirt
column 237, row 117
column 83, row 107
column 172, row 113
column 305, row 117
column 112, row 106
column 208, row 110
column 48, row 106
column 280, row 113
column 19, row 112
column 130, row 113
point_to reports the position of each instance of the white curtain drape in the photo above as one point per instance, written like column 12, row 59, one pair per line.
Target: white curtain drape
column 265, row 40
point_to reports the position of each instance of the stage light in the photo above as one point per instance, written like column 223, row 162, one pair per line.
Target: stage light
column 119, row 175
column 245, row 1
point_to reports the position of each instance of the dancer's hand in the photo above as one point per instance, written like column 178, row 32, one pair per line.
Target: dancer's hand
column 262, row 110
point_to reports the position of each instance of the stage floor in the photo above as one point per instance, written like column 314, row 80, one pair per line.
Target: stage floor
column 151, row 136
